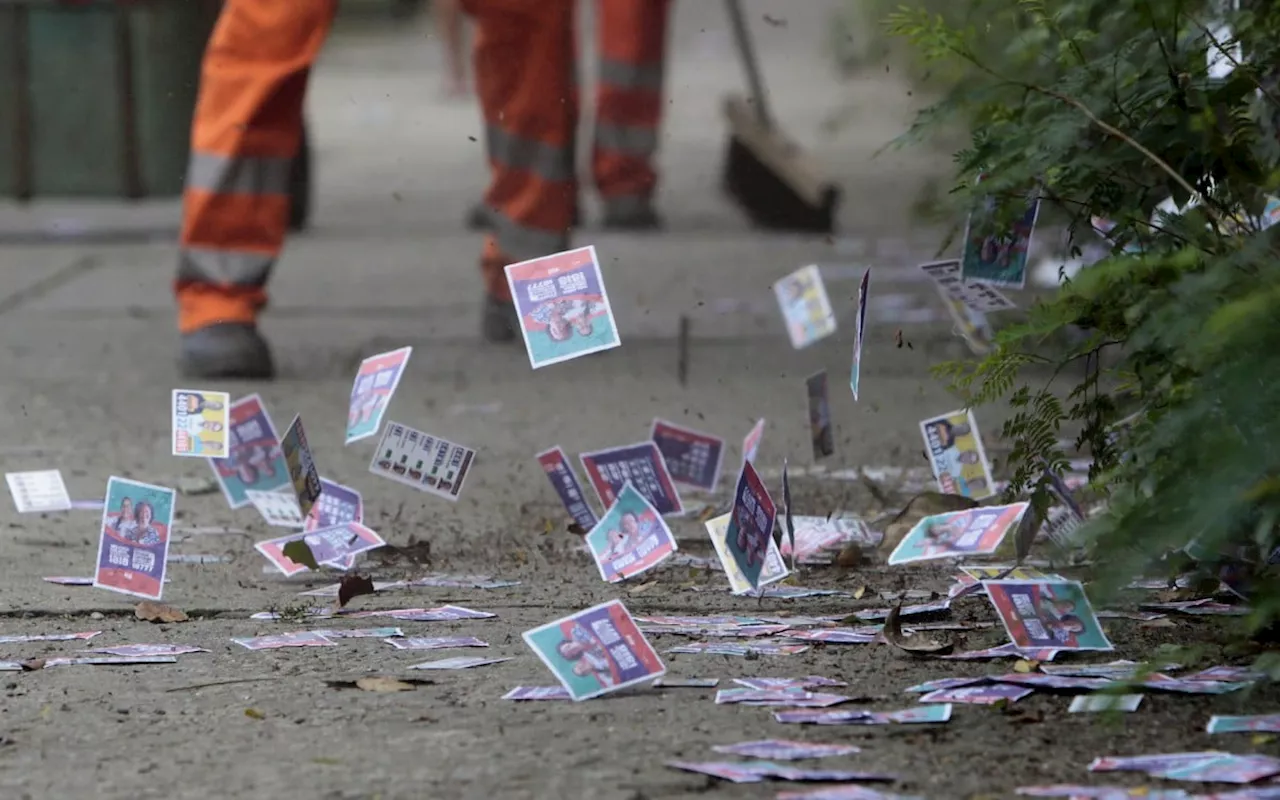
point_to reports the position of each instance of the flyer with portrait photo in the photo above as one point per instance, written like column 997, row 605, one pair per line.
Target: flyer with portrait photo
column 133, row 541
column 596, row 651
column 775, row 568
column 376, row 381
column 1053, row 614
column 254, row 459
column 303, row 476
column 563, row 306
column 200, row 423
column 956, row 456
column 630, row 538
column 805, row 307
column 974, row 531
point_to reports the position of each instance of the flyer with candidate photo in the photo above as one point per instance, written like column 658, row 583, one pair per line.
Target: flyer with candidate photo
column 200, row 423
column 563, row 306
column 956, row 456
column 802, row 297
column 974, row 531
column 423, row 461
column 133, row 543
column 303, row 476
column 596, row 651
column 1053, row 614
column 999, row 257
column 564, row 480
column 750, row 525
column 376, row 381
column 855, row 374
column 630, row 538
column 693, row 458
column 254, row 459
column 642, row 466
column 328, row 546
column 774, row 570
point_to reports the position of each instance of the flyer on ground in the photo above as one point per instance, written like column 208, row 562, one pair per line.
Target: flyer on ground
column 421, row 460
column 821, row 435
column 375, row 383
column 977, row 297
column 1007, row 572
column 303, row 476
column 38, row 491
column 563, row 306
column 999, row 257
column 630, row 538
column 564, row 480
column 200, row 423
column 254, row 459
column 596, row 651
column 855, row 374
column 750, row 525
column 133, row 543
column 693, row 458
column 751, row 442
column 974, row 531
column 1053, row 614
column 774, row 570
column 327, row 545
column 802, row 297
column 337, row 505
column 955, row 452
column 639, row 464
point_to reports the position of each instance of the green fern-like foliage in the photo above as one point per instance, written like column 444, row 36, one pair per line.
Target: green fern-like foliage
column 1109, row 109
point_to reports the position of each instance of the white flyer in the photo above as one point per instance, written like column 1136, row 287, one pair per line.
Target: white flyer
column 421, row 460
column 38, row 491
column 277, row 508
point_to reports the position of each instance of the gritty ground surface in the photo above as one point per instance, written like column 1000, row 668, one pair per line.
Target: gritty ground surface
column 87, row 366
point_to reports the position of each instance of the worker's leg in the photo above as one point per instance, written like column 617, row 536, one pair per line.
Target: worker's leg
column 632, row 36
column 524, row 79
column 245, row 133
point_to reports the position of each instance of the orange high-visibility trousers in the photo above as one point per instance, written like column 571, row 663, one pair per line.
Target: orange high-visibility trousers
column 245, row 134
column 632, row 38
column 525, row 74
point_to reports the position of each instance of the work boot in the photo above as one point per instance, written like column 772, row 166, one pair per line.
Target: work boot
column 478, row 218
column 644, row 218
column 226, row 350
column 500, row 322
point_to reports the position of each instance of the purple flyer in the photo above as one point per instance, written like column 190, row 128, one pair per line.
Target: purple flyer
column 693, row 458
column 565, row 481
column 984, row 695
column 337, row 505
column 641, row 464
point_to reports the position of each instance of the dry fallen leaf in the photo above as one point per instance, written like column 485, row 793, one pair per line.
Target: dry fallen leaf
column 917, row 644
column 380, row 684
column 352, row 586
column 32, row 665
column 642, row 588
column 576, row 529
column 151, row 611
column 859, row 592
column 1024, row 666
column 1163, row 622
column 850, row 557
column 253, row 713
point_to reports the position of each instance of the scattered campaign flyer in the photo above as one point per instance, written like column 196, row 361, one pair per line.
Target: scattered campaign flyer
column 630, row 538
column 361, row 633
column 855, row 374
column 337, row 505
column 294, row 639
column 596, row 651
column 200, row 423
column 641, row 465
column 303, row 476
column 563, row 306
column 1259, row 723
column 423, row 461
column 537, row 693
column 1012, row 572
column 279, row 509
column 821, row 433
column 970, row 324
column 751, row 523
column 956, row 455
column 38, row 491
column 693, row 458
column 23, row 638
column 458, row 662
column 1101, row 703
column 818, row 537
column 144, row 650
column 982, row 695
column 977, row 297
column 1053, row 614
column 435, row 642
column 564, row 480
column 133, row 545
column 974, row 531
column 327, row 545
column 375, row 383
column 802, row 297
column 774, row 570
column 667, row 682
column 254, row 459
column 999, row 258
column 751, row 442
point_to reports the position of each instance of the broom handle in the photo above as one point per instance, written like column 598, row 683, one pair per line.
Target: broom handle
column 742, row 37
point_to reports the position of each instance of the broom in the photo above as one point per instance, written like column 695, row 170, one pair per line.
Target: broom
column 768, row 175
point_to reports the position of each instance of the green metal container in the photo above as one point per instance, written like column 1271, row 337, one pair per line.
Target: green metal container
column 96, row 97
